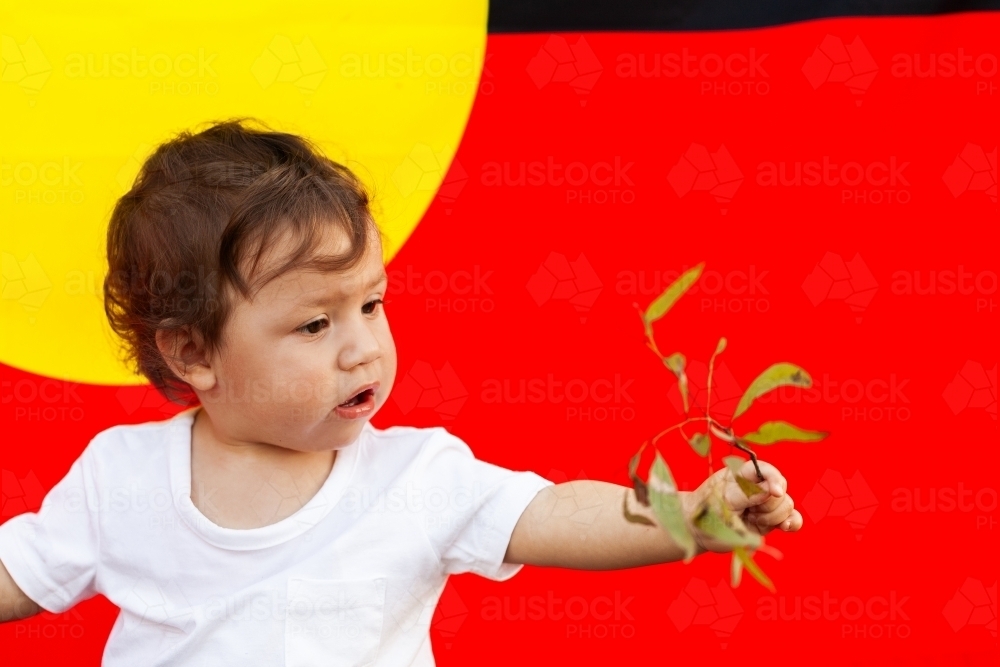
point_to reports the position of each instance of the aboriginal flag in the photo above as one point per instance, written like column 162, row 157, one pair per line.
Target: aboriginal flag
column 544, row 171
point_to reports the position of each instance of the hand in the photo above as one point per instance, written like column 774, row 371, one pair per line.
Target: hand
column 761, row 513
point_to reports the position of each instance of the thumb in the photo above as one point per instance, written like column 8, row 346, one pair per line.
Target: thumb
column 774, row 482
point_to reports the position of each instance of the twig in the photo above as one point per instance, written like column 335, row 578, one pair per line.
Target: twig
column 753, row 457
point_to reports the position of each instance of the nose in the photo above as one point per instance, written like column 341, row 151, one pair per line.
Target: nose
column 359, row 343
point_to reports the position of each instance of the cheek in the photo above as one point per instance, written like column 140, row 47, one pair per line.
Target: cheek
column 389, row 362
column 388, row 348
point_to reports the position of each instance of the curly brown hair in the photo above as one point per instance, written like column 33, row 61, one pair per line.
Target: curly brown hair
column 199, row 218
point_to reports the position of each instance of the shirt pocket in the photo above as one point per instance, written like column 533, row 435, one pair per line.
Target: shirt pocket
column 334, row 623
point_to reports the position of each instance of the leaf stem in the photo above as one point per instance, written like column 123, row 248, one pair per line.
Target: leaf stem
column 711, row 369
column 753, row 457
column 677, row 426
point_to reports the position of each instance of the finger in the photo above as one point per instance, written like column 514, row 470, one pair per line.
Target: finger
column 774, row 482
column 792, row 523
column 773, row 518
column 768, row 504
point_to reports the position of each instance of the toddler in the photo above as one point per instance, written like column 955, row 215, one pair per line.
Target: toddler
column 272, row 524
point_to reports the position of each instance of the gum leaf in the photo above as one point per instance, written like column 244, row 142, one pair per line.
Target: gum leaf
column 676, row 363
column 734, row 463
column 667, row 508
column 721, row 346
column 751, row 565
column 634, row 518
column 641, row 493
column 712, row 525
column 666, row 301
column 736, row 570
column 778, row 375
column 769, row 433
column 700, row 443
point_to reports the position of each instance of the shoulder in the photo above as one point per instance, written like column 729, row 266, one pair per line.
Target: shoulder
column 132, row 447
column 416, row 439
column 414, row 448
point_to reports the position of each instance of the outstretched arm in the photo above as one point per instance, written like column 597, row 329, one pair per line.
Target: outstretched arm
column 581, row 525
column 14, row 604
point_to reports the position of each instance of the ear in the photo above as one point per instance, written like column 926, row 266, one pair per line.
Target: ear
column 186, row 354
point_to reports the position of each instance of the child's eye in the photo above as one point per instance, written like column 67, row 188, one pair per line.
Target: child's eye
column 373, row 304
column 314, row 327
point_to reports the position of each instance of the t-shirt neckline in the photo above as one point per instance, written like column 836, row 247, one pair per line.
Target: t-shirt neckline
column 246, row 539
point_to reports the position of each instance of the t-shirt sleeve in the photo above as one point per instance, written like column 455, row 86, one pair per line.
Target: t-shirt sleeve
column 470, row 507
column 52, row 554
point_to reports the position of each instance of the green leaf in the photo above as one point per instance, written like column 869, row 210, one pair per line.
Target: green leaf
column 641, row 493
column 667, row 507
column 713, row 525
column 736, row 570
column 676, row 362
column 778, row 375
column 771, row 432
column 734, row 463
column 748, row 562
column 666, row 301
column 721, row 346
column 700, row 443
column 634, row 518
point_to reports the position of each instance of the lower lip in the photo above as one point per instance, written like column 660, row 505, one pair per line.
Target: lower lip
column 362, row 409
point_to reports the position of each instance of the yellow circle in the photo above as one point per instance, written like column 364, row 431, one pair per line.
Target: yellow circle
column 384, row 87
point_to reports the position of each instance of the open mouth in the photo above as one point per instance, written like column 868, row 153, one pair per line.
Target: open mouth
column 358, row 399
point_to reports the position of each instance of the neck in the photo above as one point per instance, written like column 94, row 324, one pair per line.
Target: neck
column 209, row 440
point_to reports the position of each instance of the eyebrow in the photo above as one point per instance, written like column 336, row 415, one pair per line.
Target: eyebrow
column 377, row 280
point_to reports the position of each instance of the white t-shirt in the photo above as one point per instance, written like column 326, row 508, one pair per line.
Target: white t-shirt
column 352, row 578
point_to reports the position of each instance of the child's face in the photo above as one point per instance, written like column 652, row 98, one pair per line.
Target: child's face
column 305, row 343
